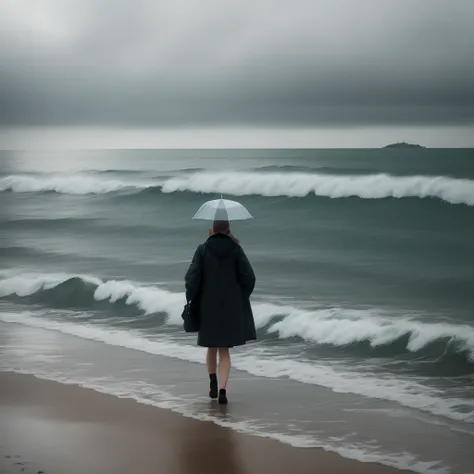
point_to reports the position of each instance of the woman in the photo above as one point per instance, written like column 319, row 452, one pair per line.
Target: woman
column 222, row 279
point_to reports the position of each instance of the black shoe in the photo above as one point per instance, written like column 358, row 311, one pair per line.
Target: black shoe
column 222, row 396
column 213, row 389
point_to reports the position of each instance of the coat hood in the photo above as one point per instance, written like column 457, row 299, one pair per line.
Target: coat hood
column 220, row 245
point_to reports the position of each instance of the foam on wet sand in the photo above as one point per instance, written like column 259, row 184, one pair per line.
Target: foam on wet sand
column 66, row 429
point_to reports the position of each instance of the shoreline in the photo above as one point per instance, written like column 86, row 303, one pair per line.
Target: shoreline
column 59, row 428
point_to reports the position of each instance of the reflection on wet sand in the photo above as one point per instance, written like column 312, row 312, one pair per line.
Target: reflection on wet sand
column 213, row 450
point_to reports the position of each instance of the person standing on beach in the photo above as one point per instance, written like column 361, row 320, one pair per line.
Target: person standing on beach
column 222, row 279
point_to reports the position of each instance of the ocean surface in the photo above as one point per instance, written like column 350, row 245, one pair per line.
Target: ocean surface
column 364, row 300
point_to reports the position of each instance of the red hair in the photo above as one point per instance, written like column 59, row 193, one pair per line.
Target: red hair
column 223, row 227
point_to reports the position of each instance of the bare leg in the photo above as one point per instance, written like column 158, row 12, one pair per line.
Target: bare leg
column 211, row 360
column 224, row 366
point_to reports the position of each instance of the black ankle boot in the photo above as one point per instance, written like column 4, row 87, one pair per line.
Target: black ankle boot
column 222, row 396
column 213, row 385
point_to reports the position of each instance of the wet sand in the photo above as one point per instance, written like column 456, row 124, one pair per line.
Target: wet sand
column 64, row 429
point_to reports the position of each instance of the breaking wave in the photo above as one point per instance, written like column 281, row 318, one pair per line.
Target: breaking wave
column 291, row 184
column 76, row 184
column 84, row 290
column 407, row 392
column 336, row 327
column 372, row 186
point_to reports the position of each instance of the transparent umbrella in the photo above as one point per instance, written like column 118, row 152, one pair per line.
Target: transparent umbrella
column 222, row 210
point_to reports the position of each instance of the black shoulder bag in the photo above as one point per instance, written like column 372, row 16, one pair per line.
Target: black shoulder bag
column 191, row 313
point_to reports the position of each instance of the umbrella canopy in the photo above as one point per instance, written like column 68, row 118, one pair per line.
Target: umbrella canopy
column 222, row 210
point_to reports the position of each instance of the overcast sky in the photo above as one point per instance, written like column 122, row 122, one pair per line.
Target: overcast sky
column 291, row 64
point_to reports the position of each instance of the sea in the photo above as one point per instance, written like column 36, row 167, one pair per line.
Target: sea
column 364, row 300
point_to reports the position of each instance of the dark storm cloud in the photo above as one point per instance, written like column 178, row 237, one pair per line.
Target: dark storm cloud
column 220, row 63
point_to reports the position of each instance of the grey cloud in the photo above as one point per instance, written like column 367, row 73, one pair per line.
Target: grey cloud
column 208, row 62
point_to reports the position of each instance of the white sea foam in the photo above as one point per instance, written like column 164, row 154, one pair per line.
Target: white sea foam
column 257, row 362
column 340, row 327
column 75, row 184
column 149, row 299
column 26, row 284
column 375, row 186
column 372, row 186
column 153, row 395
column 333, row 326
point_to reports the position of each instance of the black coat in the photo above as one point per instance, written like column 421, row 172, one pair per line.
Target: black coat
column 221, row 278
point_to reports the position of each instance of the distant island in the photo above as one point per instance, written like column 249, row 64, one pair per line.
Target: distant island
column 403, row 145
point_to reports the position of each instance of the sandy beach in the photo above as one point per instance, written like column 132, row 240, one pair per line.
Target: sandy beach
column 64, row 429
